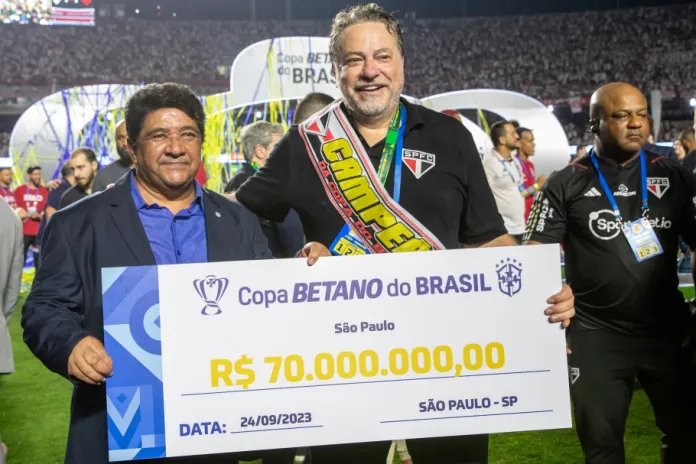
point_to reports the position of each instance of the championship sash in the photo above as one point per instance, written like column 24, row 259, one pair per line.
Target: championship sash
column 377, row 224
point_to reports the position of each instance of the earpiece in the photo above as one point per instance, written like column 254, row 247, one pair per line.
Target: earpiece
column 594, row 126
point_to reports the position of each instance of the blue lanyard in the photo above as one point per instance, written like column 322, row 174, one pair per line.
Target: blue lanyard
column 520, row 185
column 526, row 170
column 607, row 190
column 399, row 162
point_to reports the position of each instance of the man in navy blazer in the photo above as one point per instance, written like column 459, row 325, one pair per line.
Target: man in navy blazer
column 157, row 214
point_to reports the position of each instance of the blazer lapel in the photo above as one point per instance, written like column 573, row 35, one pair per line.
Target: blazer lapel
column 128, row 223
column 220, row 231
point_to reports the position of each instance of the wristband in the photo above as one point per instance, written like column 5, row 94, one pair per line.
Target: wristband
column 530, row 190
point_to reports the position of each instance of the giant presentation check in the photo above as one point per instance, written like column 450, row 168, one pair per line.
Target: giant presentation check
column 239, row 356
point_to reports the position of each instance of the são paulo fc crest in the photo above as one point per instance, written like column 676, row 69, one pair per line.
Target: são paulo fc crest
column 211, row 290
column 418, row 162
column 658, row 185
column 509, row 276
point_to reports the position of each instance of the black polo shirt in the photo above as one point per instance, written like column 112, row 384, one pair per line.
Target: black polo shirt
column 614, row 291
column 286, row 238
column 244, row 172
column 689, row 162
column 659, row 150
column 72, row 195
column 451, row 198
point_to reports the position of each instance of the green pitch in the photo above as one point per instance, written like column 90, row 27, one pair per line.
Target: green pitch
column 34, row 410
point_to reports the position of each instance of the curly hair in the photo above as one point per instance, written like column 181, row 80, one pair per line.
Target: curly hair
column 362, row 14
column 153, row 97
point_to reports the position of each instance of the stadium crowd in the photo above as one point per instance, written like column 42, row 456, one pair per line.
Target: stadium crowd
column 25, row 11
column 4, row 144
column 554, row 57
column 545, row 56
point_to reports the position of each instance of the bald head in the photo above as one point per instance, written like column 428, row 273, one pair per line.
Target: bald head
column 610, row 94
column 310, row 104
column 619, row 119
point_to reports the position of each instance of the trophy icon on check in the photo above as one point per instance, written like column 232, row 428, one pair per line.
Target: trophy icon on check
column 211, row 289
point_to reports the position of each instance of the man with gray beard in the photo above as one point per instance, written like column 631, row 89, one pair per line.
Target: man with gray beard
column 114, row 171
column 373, row 173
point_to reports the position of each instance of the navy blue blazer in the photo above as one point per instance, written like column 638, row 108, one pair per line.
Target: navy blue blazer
column 65, row 303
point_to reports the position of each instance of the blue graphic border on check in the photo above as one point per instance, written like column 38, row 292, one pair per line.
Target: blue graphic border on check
column 134, row 395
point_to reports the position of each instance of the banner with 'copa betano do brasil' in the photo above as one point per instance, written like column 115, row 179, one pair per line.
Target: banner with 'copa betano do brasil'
column 224, row 357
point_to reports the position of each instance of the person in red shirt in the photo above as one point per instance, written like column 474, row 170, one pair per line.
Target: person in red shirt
column 6, row 192
column 525, row 150
column 32, row 199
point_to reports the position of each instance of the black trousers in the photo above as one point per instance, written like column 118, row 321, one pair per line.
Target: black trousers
column 452, row 450
column 286, row 456
column 29, row 241
column 471, row 449
column 603, row 366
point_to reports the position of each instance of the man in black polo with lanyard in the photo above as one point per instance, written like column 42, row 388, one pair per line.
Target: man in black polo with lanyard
column 620, row 212
column 375, row 174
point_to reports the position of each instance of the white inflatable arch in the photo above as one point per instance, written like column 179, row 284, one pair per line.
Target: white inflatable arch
column 282, row 70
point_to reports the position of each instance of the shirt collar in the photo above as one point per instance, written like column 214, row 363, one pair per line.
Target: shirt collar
column 140, row 201
column 500, row 157
column 413, row 115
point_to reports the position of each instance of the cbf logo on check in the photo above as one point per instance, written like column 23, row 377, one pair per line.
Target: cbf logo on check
column 509, row 276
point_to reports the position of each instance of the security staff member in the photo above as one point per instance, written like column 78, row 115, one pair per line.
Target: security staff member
column 339, row 171
column 688, row 141
column 620, row 212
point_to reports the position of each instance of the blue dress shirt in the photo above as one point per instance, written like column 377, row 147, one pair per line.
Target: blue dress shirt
column 174, row 239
